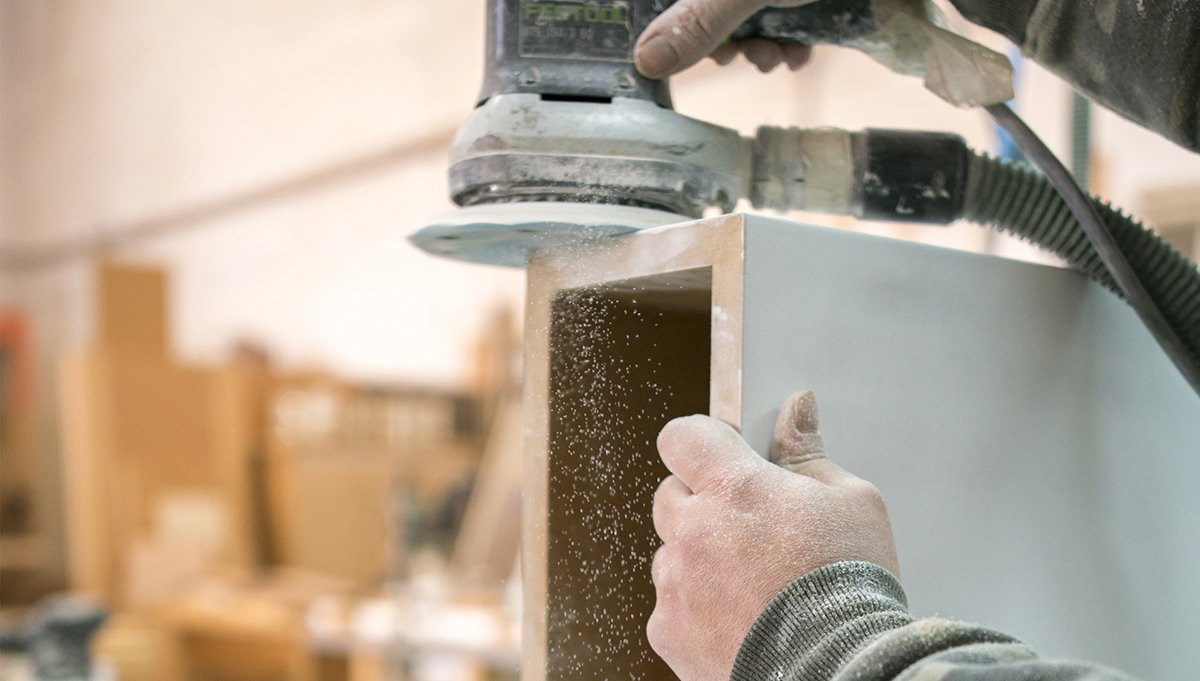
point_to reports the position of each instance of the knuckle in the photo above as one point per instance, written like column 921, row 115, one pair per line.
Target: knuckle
column 658, row 567
column 685, row 536
column 666, row 436
column 667, row 569
column 676, row 556
column 657, row 630
column 677, row 434
column 658, row 516
column 737, row 487
column 697, row 24
column 663, row 489
column 866, row 491
column 662, row 508
column 690, row 552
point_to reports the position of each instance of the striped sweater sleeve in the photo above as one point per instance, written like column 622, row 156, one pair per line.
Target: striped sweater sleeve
column 849, row 621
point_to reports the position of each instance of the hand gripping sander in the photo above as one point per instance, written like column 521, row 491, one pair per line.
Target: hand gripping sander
column 569, row 141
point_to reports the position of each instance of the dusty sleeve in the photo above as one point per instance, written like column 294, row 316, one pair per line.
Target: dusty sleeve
column 1140, row 59
column 849, row 621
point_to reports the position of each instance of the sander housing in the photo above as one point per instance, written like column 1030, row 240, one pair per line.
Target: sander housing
column 565, row 118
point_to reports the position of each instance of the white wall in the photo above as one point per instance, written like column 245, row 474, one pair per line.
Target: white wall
column 131, row 110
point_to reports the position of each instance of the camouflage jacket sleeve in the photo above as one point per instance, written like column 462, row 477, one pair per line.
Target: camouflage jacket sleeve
column 1140, row 59
column 850, row 621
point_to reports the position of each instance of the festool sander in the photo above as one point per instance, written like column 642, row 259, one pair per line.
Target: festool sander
column 569, row 142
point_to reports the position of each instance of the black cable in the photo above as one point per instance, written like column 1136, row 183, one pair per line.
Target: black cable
column 1102, row 240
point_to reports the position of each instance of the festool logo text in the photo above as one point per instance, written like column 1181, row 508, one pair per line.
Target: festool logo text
column 547, row 12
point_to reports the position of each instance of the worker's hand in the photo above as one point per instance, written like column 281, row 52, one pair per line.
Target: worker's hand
column 737, row 529
column 689, row 30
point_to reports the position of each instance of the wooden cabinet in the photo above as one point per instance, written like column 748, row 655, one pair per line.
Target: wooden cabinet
column 1037, row 450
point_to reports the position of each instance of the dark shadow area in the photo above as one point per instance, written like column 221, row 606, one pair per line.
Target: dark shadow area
column 625, row 358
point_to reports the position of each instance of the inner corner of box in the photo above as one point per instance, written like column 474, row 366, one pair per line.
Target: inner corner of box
column 625, row 357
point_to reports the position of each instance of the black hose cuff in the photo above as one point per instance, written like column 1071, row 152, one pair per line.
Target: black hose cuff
column 908, row 176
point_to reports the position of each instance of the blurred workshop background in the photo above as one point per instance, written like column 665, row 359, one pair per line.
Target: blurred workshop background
column 239, row 411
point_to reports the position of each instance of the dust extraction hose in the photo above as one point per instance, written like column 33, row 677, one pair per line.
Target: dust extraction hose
column 1082, row 206
column 935, row 178
column 1017, row 200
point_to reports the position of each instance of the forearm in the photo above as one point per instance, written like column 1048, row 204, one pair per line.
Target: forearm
column 849, row 621
column 1141, row 59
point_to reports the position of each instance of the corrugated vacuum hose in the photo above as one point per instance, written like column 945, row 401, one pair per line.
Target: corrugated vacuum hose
column 1051, row 211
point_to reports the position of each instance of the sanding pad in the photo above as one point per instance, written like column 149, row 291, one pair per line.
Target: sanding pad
column 506, row 233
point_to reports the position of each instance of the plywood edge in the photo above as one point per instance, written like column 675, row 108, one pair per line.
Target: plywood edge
column 716, row 243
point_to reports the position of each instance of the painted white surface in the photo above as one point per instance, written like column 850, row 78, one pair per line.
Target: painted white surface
column 1037, row 451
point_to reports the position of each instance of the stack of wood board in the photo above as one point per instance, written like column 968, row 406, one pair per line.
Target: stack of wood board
column 155, row 453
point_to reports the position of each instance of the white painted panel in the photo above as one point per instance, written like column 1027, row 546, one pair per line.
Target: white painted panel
column 1039, row 454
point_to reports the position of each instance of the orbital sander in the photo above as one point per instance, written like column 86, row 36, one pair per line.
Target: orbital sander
column 569, row 141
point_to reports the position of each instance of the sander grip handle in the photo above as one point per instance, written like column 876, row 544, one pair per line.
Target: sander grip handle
column 833, row 22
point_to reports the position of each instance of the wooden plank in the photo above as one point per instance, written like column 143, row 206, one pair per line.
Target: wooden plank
column 140, row 434
column 339, row 508
column 86, row 448
column 235, row 403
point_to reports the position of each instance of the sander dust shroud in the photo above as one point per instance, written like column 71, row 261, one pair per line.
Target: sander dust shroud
column 570, row 142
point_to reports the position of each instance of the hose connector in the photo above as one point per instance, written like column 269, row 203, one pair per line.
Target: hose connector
column 893, row 175
column 803, row 169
